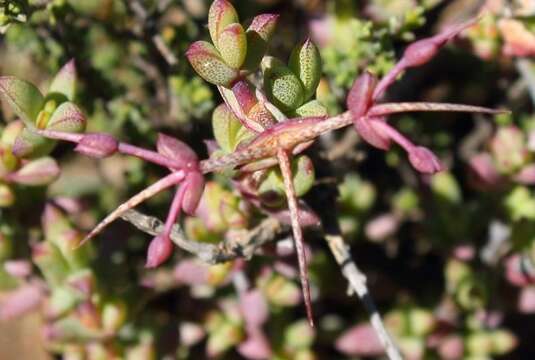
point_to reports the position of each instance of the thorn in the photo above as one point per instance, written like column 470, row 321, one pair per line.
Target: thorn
column 286, row 170
column 160, row 185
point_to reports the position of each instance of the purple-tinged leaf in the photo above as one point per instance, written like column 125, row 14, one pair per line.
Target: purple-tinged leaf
column 37, row 172
column 526, row 300
column 360, row 340
column 423, row 160
column 264, row 25
column 97, row 145
column 194, row 188
column 360, row 98
column 23, row 97
column 208, row 63
column 372, row 134
column 160, row 249
column 451, row 348
column 11, row 132
column 65, row 81
column 190, row 333
column 244, row 95
column 382, row 227
column 233, row 45
column 67, row 118
column 220, row 15
column 176, row 150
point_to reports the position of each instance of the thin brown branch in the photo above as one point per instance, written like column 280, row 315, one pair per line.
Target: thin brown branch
column 242, row 245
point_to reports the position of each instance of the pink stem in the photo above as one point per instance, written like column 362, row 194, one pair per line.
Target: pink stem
column 395, row 135
column 174, row 211
column 388, row 79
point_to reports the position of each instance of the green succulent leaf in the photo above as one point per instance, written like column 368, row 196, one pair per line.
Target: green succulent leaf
column 67, row 118
column 233, row 45
column 23, row 97
column 31, row 145
column 303, row 177
column 305, row 61
column 64, row 82
column 282, row 86
column 228, row 131
column 311, row 108
column 220, row 15
column 208, row 63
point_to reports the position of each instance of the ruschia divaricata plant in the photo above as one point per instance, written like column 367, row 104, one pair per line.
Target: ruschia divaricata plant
column 261, row 125
column 270, row 114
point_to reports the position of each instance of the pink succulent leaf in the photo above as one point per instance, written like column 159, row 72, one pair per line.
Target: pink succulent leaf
column 452, row 348
column 423, row 160
column 190, row 272
column 372, row 134
column 20, row 301
column 256, row 347
column 517, row 272
column 307, row 217
column 160, row 249
column 175, row 150
column 382, row 226
column 98, row 145
column 484, row 171
column 526, row 176
column 254, row 308
column 360, row 340
column 36, row 173
column 526, row 300
column 18, row 268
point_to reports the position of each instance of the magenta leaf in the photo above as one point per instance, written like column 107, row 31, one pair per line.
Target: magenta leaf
column 194, row 188
column 372, row 134
column 176, row 150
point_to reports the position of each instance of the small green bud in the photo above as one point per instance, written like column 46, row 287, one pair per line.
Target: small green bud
column 479, row 343
column 282, row 86
column 228, row 131
column 223, row 338
column 233, row 45
column 220, row 15
column 280, row 291
column 67, row 118
column 62, row 300
column 311, row 109
column 305, row 61
column 208, row 63
column 421, row 321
